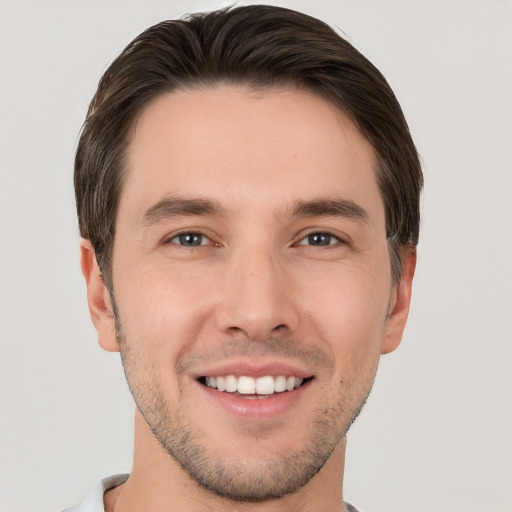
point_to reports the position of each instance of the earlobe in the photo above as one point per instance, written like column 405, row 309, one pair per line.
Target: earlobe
column 98, row 298
column 399, row 304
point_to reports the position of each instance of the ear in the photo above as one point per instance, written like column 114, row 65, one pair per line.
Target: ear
column 399, row 304
column 98, row 298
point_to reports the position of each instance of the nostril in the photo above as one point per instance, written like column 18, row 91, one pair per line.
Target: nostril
column 235, row 329
column 279, row 327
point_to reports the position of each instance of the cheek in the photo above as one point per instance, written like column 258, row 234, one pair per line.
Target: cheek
column 163, row 311
column 348, row 311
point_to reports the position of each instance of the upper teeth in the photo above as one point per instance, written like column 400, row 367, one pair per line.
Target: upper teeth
column 250, row 386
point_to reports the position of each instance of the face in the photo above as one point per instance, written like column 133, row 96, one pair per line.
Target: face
column 252, row 284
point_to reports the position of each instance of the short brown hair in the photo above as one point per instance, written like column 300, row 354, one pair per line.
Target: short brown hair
column 258, row 46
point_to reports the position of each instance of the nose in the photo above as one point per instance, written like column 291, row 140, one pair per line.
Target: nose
column 258, row 297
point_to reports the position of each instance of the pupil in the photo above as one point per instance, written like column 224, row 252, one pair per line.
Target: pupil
column 319, row 239
column 190, row 239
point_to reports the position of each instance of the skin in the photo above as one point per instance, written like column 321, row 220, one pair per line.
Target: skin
column 257, row 291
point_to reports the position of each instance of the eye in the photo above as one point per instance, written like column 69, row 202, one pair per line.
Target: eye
column 320, row 239
column 190, row 239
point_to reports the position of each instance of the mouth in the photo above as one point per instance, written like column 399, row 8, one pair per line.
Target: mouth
column 245, row 386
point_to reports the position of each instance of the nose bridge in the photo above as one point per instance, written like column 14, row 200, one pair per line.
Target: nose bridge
column 257, row 298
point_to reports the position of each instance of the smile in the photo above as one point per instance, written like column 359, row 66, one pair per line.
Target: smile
column 263, row 386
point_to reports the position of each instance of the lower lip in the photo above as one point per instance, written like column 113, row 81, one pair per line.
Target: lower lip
column 256, row 409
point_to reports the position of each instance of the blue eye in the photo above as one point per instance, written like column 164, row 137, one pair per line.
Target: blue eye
column 319, row 239
column 190, row 239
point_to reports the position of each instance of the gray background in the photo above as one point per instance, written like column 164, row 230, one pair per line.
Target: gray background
column 436, row 433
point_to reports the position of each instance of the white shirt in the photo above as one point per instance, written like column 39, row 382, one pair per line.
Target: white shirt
column 93, row 502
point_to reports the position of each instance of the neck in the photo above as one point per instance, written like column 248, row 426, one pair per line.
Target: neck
column 158, row 483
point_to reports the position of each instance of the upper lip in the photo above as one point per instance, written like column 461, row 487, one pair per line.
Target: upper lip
column 252, row 368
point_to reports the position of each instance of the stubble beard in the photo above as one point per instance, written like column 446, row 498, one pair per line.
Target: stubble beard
column 228, row 478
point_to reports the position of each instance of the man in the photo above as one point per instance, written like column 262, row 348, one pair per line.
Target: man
column 248, row 197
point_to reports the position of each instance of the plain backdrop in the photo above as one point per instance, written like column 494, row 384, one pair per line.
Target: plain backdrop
column 437, row 431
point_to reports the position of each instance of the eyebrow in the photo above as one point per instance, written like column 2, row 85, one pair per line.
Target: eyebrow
column 330, row 207
column 180, row 206
column 170, row 207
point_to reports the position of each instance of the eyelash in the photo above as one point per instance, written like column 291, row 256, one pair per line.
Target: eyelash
column 338, row 240
column 188, row 233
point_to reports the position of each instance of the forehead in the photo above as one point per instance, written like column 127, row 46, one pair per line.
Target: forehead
column 244, row 148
